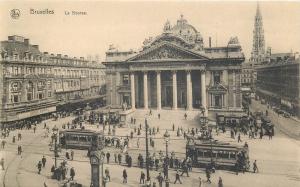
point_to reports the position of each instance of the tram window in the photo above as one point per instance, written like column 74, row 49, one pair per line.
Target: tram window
column 73, row 138
column 206, row 153
column 82, row 138
column 231, row 155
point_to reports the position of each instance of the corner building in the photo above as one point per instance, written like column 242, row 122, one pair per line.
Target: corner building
column 35, row 84
column 174, row 70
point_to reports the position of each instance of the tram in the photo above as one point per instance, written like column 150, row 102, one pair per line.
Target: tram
column 218, row 154
column 80, row 139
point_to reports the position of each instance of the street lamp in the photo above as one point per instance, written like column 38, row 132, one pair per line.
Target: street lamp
column 55, row 132
column 109, row 121
column 167, row 139
column 147, row 152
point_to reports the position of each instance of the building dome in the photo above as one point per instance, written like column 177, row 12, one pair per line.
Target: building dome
column 183, row 29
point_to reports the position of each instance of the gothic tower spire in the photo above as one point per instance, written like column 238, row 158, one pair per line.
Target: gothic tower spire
column 258, row 48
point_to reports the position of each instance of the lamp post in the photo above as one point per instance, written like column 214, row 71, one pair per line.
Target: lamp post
column 109, row 121
column 147, row 152
column 55, row 132
column 102, row 156
column 167, row 139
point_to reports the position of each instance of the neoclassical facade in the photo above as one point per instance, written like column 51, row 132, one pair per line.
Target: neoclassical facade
column 174, row 70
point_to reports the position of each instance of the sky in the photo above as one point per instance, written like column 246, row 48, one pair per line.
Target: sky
column 126, row 23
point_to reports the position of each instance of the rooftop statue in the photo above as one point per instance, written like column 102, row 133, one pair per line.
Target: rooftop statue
column 233, row 40
column 167, row 27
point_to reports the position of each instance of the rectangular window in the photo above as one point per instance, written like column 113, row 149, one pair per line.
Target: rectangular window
column 125, row 79
column 40, row 95
column 29, row 96
column 217, row 78
column 49, row 94
column 15, row 98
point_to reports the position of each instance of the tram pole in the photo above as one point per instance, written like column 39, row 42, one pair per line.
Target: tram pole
column 147, row 151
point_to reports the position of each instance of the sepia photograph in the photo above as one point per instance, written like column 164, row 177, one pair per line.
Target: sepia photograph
column 161, row 93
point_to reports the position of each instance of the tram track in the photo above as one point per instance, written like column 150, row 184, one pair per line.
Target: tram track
column 25, row 155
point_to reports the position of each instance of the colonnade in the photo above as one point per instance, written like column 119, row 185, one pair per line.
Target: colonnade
column 174, row 85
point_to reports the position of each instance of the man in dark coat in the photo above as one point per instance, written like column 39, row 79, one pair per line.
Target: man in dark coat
column 72, row 173
column 44, row 161
column 124, row 176
column 39, row 166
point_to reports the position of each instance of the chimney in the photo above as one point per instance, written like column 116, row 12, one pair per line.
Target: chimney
column 58, row 55
column 11, row 38
column 209, row 41
column 45, row 53
column 35, row 46
column 81, row 58
column 26, row 41
column 66, row 56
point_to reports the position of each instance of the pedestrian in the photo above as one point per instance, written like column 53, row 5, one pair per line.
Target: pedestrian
column 185, row 170
column 72, row 173
column 177, row 178
column 3, row 144
column 14, row 139
column 19, row 136
column 255, row 168
column 239, row 138
column 160, row 179
column 138, row 143
column 124, row 176
column 207, row 175
column 44, row 161
column 67, row 155
column 2, row 163
column 19, row 150
column 119, row 158
column 200, row 182
column 173, row 127
column 150, row 113
column 72, row 154
column 185, row 116
column 34, row 129
column 158, row 115
column 39, row 166
column 220, row 183
column 107, row 175
column 107, row 157
column 142, row 178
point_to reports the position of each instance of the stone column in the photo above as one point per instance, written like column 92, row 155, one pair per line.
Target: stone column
column 174, row 89
column 189, row 90
column 234, row 89
column 118, row 83
column 132, row 90
column 158, row 90
column 203, row 93
column 145, row 90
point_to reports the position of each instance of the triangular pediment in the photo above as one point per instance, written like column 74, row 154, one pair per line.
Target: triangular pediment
column 217, row 88
column 166, row 51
